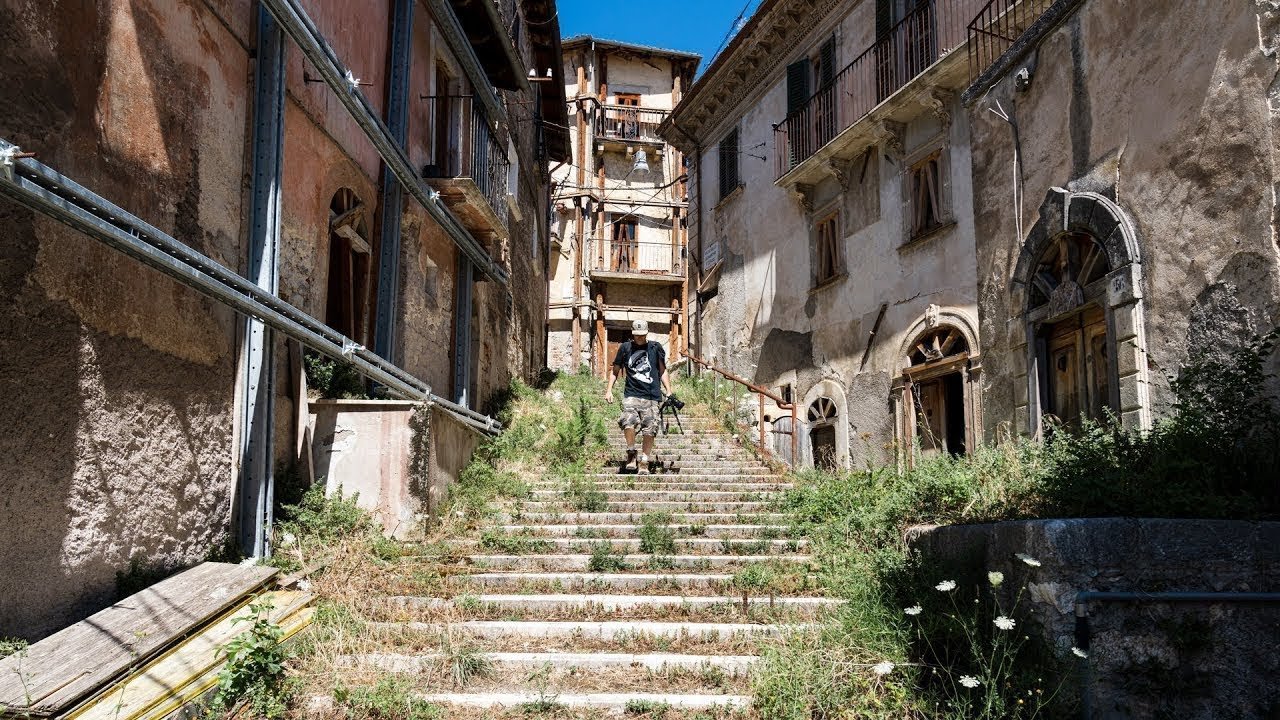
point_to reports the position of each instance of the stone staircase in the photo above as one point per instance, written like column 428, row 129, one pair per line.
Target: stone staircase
column 620, row 602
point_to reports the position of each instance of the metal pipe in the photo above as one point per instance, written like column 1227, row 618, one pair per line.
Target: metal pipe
column 43, row 190
column 294, row 20
column 1084, row 597
column 763, row 393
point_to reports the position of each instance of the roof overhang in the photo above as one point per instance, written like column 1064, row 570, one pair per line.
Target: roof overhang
column 488, row 35
column 543, row 27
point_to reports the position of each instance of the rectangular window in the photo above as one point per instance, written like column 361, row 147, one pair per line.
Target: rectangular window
column 925, row 177
column 729, row 164
column 827, row 262
column 625, row 251
column 629, row 99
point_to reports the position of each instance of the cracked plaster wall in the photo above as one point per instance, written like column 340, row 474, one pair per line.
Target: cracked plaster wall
column 1182, row 135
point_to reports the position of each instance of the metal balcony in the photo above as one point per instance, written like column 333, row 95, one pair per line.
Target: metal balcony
column 470, row 168
column 996, row 27
column 907, row 50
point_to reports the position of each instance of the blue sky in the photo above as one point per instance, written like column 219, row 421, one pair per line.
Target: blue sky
column 691, row 25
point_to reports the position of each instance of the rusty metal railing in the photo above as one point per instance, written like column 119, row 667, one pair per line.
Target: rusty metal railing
column 995, row 29
column 909, row 48
column 761, row 394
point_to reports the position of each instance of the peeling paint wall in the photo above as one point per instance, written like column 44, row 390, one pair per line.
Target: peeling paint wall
column 1181, row 134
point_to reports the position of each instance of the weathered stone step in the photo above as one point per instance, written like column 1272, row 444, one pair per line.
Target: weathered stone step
column 654, row 506
column 757, row 475
column 729, row 546
column 632, row 530
column 668, row 482
column 718, row 469
column 617, row 581
column 686, row 496
column 605, row 518
column 427, row 662
column 579, row 562
column 596, row 630
column 610, row 603
column 611, row 702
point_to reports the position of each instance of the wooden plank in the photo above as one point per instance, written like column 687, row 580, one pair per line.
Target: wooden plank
column 65, row 667
column 184, row 670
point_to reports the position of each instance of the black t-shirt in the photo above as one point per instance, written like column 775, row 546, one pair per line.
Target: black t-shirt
column 644, row 365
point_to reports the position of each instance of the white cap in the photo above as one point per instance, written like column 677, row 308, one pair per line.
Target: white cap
column 639, row 327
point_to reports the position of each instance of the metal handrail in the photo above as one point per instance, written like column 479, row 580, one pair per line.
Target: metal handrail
column 629, row 122
column 761, row 394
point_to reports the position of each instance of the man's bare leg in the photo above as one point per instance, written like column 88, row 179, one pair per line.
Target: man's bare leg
column 642, row 465
column 630, row 435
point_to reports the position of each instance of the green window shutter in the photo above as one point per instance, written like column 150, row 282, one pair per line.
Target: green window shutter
column 884, row 17
column 828, row 55
column 797, row 85
column 729, row 163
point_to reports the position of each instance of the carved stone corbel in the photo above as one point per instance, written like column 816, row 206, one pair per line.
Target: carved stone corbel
column 840, row 171
column 938, row 101
column 890, row 134
column 803, row 194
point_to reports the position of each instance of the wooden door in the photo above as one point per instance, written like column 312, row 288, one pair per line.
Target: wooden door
column 931, row 417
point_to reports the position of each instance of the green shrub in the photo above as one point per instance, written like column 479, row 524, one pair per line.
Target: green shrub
column 254, row 669
column 11, row 646
column 603, row 559
column 332, row 379
column 391, row 698
column 585, row 496
column 656, row 535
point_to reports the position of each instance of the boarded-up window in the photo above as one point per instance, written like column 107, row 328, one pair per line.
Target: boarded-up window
column 926, row 194
column 347, row 296
column 827, row 261
column 729, row 164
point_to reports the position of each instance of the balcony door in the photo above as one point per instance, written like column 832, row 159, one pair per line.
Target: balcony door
column 627, row 121
column 906, row 42
column 624, row 248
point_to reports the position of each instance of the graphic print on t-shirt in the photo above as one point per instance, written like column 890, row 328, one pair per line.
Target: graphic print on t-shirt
column 638, row 367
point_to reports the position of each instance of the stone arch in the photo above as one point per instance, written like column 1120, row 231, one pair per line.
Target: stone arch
column 939, row 363
column 832, row 427
column 1121, row 375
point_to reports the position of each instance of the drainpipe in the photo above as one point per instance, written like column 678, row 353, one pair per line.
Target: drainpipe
column 1084, row 597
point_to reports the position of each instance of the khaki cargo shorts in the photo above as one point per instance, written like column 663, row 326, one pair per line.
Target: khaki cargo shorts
column 640, row 413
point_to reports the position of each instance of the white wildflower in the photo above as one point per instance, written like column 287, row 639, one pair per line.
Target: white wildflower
column 995, row 578
column 1028, row 559
column 1005, row 623
column 969, row 681
column 883, row 668
column 1078, row 652
column 945, row 586
column 913, row 610
column 288, row 538
column 304, row 585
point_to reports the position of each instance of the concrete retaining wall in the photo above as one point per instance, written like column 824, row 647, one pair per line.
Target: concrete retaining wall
column 1148, row 659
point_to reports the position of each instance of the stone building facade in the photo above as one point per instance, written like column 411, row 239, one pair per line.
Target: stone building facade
column 122, row 383
column 1142, row 226
column 933, row 224
column 620, row 207
column 831, row 224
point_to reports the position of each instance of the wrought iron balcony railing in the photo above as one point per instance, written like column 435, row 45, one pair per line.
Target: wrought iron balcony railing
column 996, row 27
column 909, row 48
column 626, row 122
column 466, row 149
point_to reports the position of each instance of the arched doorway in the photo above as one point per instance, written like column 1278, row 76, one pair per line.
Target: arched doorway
column 347, row 294
column 937, row 407
column 826, row 426
column 1077, row 291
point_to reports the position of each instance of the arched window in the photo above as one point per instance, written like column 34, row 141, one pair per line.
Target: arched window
column 347, row 299
column 1072, row 262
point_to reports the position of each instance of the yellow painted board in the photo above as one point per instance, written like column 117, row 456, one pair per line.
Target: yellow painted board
column 194, row 690
column 191, row 659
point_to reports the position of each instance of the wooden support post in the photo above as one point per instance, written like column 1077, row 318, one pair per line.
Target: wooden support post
column 579, row 224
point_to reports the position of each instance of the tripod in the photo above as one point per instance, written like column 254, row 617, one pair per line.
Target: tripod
column 671, row 405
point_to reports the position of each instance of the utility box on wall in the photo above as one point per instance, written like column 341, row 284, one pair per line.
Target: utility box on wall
column 398, row 456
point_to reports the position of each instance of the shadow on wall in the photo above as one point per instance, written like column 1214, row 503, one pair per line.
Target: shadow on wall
column 113, row 449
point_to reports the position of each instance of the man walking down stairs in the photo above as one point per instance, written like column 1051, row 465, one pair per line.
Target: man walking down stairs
column 610, row 593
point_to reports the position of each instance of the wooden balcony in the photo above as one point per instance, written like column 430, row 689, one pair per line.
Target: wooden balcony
column 626, row 124
column 633, row 261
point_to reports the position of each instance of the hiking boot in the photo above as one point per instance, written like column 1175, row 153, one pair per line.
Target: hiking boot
column 642, row 468
column 631, row 459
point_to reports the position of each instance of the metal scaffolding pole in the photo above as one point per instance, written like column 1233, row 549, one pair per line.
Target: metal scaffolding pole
column 43, row 190
column 255, row 486
column 384, row 338
column 299, row 26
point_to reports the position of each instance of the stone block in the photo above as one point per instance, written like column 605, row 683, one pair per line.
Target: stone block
column 1126, row 320
column 1124, row 285
column 1131, row 420
column 1132, row 393
column 1020, row 391
column 1130, row 359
